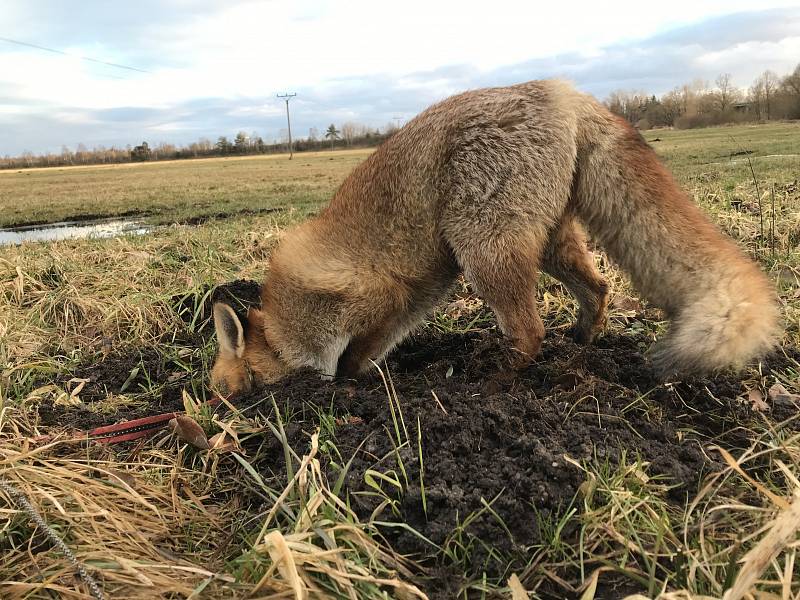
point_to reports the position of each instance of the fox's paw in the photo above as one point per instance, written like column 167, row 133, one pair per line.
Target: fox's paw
column 585, row 335
column 586, row 331
column 517, row 359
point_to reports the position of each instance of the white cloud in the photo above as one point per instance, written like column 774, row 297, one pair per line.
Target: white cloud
column 215, row 65
column 780, row 55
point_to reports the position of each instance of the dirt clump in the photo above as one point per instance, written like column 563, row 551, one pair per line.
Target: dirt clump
column 197, row 307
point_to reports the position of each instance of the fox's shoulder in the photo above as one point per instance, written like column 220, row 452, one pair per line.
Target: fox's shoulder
column 311, row 259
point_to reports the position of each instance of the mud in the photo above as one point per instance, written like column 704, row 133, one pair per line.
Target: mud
column 153, row 217
column 200, row 219
column 489, row 436
column 109, row 374
column 80, row 218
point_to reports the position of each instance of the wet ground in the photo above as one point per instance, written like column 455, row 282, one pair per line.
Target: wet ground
column 93, row 226
column 98, row 228
column 488, row 435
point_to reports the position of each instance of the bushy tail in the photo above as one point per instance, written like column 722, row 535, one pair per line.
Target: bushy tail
column 723, row 308
column 727, row 327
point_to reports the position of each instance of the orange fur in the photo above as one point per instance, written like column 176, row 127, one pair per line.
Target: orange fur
column 493, row 183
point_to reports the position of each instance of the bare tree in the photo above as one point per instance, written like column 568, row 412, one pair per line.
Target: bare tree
column 66, row 155
column 756, row 98
column 82, row 153
column 791, row 83
column 351, row 131
column 673, row 105
column 628, row 104
column 725, row 92
column 767, row 82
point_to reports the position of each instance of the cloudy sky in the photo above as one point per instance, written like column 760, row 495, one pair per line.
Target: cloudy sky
column 206, row 68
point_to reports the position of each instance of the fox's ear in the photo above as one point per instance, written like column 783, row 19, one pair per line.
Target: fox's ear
column 229, row 330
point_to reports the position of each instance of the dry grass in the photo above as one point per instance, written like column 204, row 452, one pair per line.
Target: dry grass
column 163, row 519
column 173, row 190
column 130, row 522
column 163, row 522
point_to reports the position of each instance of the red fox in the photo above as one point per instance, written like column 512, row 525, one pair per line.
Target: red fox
column 496, row 183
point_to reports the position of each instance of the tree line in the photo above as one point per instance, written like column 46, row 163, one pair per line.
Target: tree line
column 348, row 135
column 698, row 104
column 695, row 104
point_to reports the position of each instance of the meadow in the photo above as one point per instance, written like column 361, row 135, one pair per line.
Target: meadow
column 173, row 191
column 442, row 474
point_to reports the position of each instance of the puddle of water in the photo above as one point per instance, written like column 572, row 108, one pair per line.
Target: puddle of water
column 101, row 228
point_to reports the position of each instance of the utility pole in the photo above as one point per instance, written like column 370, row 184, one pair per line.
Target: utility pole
column 288, row 122
column 397, row 121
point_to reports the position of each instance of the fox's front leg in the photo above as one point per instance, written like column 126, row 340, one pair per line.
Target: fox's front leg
column 367, row 346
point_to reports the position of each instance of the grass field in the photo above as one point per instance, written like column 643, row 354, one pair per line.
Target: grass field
column 620, row 485
column 172, row 191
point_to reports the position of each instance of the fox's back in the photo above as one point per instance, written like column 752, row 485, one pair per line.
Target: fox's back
column 454, row 157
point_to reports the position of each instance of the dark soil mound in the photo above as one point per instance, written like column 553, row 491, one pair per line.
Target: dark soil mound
column 126, row 372
column 501, row 437
column 198, row 307
column 489, row 436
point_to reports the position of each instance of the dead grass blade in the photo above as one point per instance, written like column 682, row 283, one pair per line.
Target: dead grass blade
column 517, row 591
column 781, row 532
column 777, row 500
column 327, row 548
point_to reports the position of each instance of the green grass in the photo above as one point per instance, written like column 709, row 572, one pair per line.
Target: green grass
column 712, row 165
column 690, row 150
column 67, row 303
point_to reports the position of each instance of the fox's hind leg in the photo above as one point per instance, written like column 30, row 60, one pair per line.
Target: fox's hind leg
column 506, row 190
column 503, row 267
column 567, row 259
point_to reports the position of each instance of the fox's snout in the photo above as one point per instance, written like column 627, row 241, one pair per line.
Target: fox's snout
column 244, row 359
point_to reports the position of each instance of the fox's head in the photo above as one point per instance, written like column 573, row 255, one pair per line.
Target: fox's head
column 244, row 358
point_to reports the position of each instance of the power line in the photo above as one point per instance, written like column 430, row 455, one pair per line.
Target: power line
column 288, row 123
column 86, row 58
